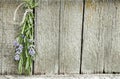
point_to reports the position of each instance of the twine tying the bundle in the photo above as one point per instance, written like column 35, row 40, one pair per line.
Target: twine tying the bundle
column 25, row 13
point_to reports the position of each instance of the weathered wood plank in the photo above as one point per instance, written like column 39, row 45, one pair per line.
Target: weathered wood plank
column 0, row 39
column 8, row 1
column 72, row 76
column 93, row 45
column 8, row 32
column 0, row 50
column 11, row 1
column 112, row 36
column 101, row 37
column 47, row 27
column 70, row 36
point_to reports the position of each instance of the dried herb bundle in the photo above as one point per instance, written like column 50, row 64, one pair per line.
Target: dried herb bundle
column 24, row 43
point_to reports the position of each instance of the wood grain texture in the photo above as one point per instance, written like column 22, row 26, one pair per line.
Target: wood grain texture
column 101, row 37
column 93, row 44
column 0, row 39
column 58, row 36
column 112, row 36
column 11, row 1
column 7, row 35
column 70, row 36
column 8, row 1
column 47, row 27
column 71, row 76
column 0, row 60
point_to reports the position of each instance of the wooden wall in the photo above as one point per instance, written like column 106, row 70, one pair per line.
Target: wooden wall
column 72, row 36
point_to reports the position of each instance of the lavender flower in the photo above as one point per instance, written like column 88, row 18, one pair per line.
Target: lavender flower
column 17, row 52
column 31, row 51
column 17, row 57
column 23, row 36
column 31, row 46
column 16, row 43
column 19, row 49
column 20, row 46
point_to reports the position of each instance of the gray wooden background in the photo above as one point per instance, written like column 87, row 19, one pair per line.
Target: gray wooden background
column 72, row 36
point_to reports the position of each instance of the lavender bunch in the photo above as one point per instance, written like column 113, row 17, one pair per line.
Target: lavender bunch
column 24, row 43
column 18, row 51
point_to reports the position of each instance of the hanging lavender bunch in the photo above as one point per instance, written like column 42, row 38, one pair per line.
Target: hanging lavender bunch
column 24, row 43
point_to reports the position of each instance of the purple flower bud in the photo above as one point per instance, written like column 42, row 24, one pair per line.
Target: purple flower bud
column 19, row 49
column 20, row 46
column 18, row 52
column 16, row 43
column 23, row 36
column 17, row 57
column 31, row 51
column 31, row 46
